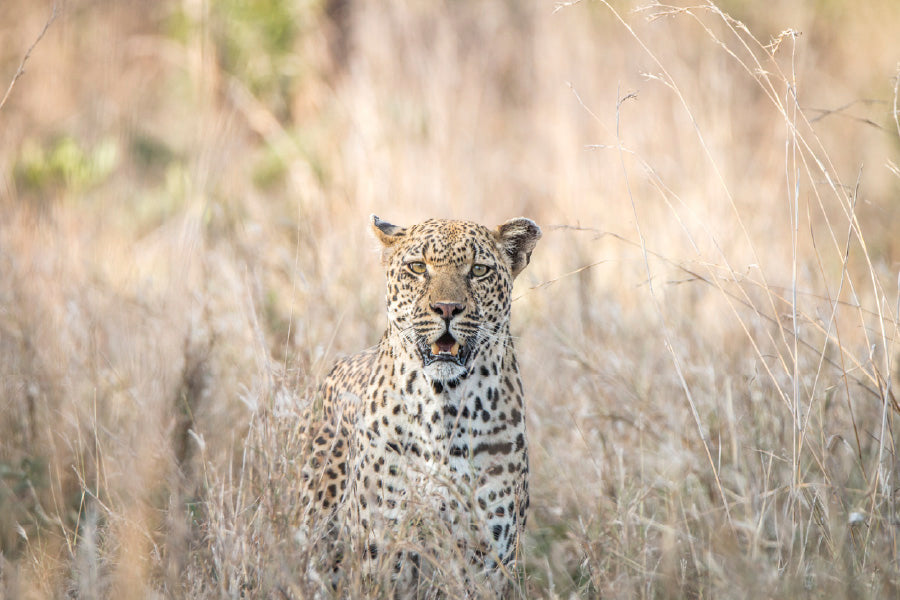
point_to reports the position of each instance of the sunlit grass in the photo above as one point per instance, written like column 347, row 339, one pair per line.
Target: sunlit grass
column 707, row 331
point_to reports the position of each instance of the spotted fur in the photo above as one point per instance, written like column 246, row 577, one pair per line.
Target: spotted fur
column 434, row 414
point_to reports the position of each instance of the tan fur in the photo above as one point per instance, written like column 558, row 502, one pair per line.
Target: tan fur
column 406, row 427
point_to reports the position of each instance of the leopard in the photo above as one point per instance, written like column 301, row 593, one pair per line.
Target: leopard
column 433, row 415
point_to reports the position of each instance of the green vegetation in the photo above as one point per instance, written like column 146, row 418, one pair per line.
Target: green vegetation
column 64, row 165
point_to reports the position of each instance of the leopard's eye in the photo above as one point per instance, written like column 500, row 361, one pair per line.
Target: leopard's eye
column 480, row 270
column 417, row 267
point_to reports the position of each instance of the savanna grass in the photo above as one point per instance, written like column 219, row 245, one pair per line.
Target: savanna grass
column 707, row 331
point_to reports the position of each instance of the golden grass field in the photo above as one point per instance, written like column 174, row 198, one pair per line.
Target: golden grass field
column 708, row 331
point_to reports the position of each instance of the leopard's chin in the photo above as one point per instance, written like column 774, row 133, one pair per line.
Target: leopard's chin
column 445, row 372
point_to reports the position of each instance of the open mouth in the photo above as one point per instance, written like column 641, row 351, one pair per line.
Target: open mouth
column 445, row 349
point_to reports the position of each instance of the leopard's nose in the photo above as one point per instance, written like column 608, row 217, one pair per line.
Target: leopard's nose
column 448, row 310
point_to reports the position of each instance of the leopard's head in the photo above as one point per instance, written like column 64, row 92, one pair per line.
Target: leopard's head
column 449, row 286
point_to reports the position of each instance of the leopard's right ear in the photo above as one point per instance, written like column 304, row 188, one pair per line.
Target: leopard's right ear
column 386, row 233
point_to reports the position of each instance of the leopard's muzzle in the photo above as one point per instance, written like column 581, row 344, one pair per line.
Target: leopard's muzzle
column 444, row 349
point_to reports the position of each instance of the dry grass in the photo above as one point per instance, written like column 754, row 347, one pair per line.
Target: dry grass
column 708, row 330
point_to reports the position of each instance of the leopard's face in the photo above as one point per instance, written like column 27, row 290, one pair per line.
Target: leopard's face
column 449, row 287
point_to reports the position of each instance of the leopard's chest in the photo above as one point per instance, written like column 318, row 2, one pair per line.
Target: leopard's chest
column 458, row 448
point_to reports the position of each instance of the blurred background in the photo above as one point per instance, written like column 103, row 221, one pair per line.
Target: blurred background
column 708, row 329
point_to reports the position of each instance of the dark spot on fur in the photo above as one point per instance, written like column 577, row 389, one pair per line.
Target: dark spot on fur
column 493, row 448
column 458, row 450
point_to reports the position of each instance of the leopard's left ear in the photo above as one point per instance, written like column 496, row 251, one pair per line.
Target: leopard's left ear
column 517, row 238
